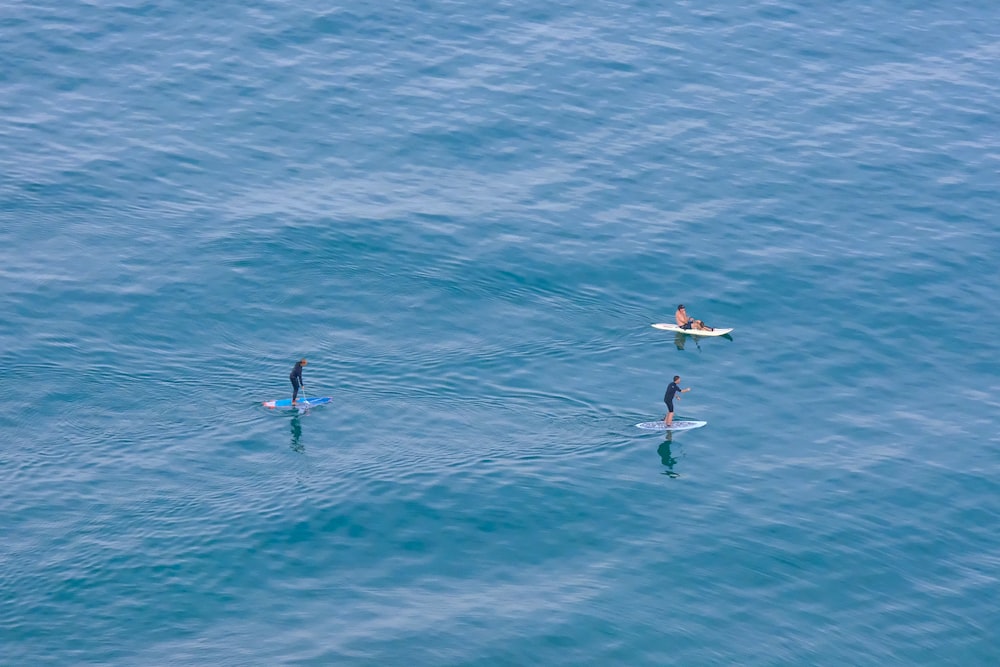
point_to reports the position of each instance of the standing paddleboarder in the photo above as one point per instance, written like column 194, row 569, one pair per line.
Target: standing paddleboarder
column 668, row 398
column 296, row 377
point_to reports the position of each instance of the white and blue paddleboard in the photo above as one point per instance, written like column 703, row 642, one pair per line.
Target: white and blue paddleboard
column 677, row 425
column 690, row 332
column 301, row 404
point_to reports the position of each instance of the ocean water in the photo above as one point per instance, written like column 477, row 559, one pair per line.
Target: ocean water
column 467, row 215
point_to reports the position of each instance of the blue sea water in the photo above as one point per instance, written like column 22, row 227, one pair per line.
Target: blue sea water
column 467, row 215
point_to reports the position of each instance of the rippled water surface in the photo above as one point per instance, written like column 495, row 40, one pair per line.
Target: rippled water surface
column 466, row 216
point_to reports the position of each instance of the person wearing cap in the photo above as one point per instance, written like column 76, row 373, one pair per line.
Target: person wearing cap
column 685, row 322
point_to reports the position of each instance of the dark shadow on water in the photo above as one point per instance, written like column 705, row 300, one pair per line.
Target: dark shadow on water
column 297, row 445
column 667, row 457
column 681, row 338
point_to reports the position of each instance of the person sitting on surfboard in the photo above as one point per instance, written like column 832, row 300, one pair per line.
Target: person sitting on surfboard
column 685, row 322
column 668, row 398
column 296, row 377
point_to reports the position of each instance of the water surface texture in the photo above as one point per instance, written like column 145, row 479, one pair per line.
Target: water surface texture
column 466, row 216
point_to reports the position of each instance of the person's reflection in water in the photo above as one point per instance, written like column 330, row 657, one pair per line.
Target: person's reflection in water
column 680, row 339
column 297, row 435
column 666, row 457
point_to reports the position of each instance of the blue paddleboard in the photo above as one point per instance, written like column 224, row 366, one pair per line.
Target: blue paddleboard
column 301, row 404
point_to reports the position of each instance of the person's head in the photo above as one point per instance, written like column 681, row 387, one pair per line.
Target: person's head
column 680, row 307
column 677, row 378
column 303, row 362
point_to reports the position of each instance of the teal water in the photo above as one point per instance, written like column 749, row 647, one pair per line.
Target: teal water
column 467, row 216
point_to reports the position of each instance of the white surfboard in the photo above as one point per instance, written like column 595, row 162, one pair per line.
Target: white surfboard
column 690, row 332
column 677, row 425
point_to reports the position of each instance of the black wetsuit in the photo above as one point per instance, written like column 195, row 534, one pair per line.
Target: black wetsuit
column 668, row 397
column 296, row 377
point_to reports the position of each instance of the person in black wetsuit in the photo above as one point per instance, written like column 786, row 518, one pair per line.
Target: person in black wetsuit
column 668, row 398
column 296, row 377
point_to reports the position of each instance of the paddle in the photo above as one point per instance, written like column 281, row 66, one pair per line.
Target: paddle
column 301, row 404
